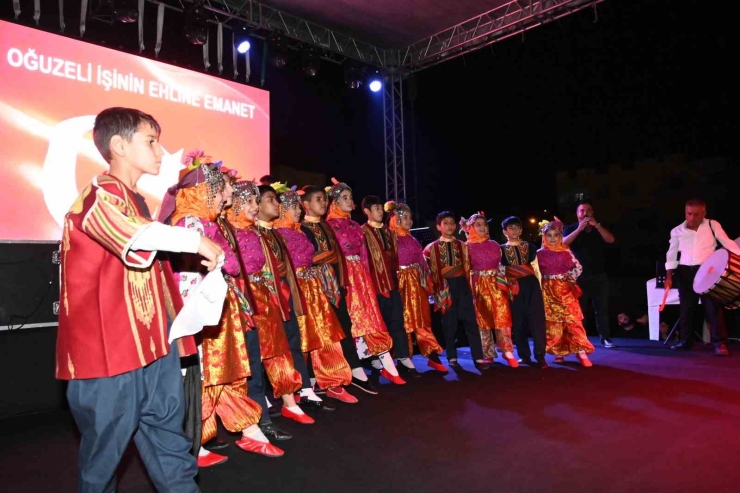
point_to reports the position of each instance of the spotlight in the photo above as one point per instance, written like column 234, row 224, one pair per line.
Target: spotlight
column 353, row 75
column 375, row 81
column 243, row 47
column 196, row 27
column 311, row 63
column 278, row 51
column 126, row 11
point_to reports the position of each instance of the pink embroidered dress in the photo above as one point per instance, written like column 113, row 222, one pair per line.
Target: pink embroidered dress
column 320, row 327
column 268, row 317
column 415, row 286
column 362, row 303
column 563, row 316
column 224, row 348
column 490, row 295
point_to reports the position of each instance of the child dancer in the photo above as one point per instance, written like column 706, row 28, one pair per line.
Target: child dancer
column 382, row 244
column 490, row 289
column 114, row 296
column 415, row 285
column 564, row 319
column 194, row 203
column 320, row 328
column 527, row 310
column 367, row 322
column 449, row 262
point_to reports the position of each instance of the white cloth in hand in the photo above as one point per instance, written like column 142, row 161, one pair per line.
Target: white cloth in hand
column 203, row 306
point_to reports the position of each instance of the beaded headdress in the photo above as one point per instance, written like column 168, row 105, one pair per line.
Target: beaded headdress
column 336, row 189
column 242, row 191
column 395, row 208
column 288, row 197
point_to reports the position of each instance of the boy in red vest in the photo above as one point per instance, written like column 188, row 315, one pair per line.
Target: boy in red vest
column 118, row 302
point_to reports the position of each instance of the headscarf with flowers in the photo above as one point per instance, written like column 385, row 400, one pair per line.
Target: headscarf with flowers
column 546, row 226
column 466, row 226
column 194, row 193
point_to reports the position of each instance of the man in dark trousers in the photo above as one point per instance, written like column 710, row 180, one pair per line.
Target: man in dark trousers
column 586, row 239
column 696, row 238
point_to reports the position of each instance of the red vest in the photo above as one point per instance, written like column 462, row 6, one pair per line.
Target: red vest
column 114, row 301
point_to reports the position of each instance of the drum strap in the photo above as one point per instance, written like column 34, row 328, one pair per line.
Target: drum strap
column 717, row 244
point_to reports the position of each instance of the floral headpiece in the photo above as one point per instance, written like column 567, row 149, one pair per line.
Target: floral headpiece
column 230, row 175
column 466, row 224
column 242, row 191
column 288, row 196
column 336, row 189
column 545, row 226
column 199, row 168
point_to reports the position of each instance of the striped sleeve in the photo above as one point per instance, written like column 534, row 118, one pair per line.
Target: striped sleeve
column 107, row 222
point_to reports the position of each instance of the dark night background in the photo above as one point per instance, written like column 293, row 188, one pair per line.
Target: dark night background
column 489, row 130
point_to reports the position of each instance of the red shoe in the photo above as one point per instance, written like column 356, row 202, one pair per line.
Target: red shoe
column 437, row 366
column 263, row 448
column 340, row 394
column 211, row 459
column 303, row 419
column 513, row 363
column 394, row 379
column 584, row 360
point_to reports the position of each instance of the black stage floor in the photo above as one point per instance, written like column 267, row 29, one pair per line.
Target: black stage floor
column 643, row 419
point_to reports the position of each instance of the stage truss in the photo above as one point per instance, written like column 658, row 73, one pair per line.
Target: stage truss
column 393, row 134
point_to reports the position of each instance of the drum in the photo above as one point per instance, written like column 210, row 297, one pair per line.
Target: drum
column 719, row 277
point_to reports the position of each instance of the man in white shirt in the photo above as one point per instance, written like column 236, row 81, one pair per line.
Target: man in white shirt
column 696, row 239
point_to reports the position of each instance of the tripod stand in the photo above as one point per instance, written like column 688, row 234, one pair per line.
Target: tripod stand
column 675, row 326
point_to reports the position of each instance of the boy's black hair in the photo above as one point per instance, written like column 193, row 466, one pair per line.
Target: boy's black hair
column 266, row 189
column 267, row 180
column 309, row 191
column 370, row 201
column 511, row 221
column 119, row 121
column 444, row 215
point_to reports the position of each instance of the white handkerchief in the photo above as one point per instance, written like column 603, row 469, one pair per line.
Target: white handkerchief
column 202, row 308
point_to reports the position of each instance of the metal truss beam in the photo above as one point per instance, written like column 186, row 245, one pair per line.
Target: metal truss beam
column 260, row 16
column 395, row 156
column 511, row 18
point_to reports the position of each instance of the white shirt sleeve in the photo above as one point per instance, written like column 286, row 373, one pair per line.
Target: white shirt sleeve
column 723, row 239
column 158, row 236
column 672, row 255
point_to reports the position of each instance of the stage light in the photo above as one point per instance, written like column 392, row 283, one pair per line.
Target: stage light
column 532, row 220
column 376, row 85
column 195, row 24
column 126, row 11
column 311, row 63
column 243, row 47
column 278, row 49
column 353, row 75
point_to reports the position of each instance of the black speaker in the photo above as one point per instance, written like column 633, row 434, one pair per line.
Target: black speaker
column 29, row 291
